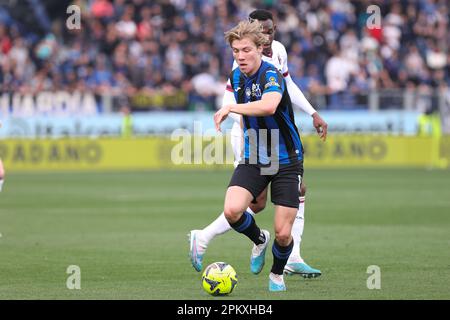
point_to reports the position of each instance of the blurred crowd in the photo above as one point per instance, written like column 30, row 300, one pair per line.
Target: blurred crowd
column 129, row 47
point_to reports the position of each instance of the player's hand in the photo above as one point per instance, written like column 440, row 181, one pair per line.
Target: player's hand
column 320, row 125
column 220, row 116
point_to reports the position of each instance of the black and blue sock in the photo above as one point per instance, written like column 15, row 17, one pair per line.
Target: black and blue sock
column 247, row 225
column 280, row 256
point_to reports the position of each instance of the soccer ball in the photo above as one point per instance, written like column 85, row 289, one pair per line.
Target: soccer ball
column 219, row 279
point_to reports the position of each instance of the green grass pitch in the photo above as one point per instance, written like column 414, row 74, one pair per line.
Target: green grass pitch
column 127, row 233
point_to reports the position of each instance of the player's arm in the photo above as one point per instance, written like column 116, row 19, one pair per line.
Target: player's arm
column 299, row 101
column 265, row 107
column 297, row 97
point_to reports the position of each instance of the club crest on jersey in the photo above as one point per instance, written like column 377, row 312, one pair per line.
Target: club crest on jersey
column 248, row 92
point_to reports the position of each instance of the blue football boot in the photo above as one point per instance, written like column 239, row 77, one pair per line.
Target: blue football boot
column 195, row 250
column 278, row 285
column 302, row 269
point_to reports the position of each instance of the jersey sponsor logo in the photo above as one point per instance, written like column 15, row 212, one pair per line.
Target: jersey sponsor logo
column 256, row 91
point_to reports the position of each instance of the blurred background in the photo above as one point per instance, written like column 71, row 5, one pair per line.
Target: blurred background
column 127, row 68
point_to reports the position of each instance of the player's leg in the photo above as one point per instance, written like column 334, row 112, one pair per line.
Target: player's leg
column 285, row 196
column 247, row 183
column 236, row 200
column 199, row 239
column 260, row 203
column 2, row 174
column 296, row 264
column 221, row 225
column 297, row 228
column 282, row 245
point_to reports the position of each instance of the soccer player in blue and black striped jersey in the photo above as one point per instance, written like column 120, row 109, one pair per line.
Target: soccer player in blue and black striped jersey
column 272, row 154
column 274, row 53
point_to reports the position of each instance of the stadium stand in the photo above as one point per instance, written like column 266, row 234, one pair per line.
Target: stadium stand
column 169, row 48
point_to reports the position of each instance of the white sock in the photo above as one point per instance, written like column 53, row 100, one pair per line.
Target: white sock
column 217, row 227
column 1, row 184
column 297, row 232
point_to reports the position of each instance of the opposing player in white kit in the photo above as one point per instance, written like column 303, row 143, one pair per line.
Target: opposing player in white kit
column 274, row 53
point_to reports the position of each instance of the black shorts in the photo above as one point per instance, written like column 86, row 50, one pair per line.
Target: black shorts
column 284, row 185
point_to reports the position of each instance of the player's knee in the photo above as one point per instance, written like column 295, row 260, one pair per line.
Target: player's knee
column 258, row 207
column 229, row 214
column 302, row 190
column 283, row 237
column 232, row 213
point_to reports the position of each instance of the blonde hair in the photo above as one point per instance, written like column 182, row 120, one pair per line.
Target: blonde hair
column 247, row 29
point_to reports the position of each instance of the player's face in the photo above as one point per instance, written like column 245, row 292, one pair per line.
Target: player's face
column 247, row 55
column 269, row 30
